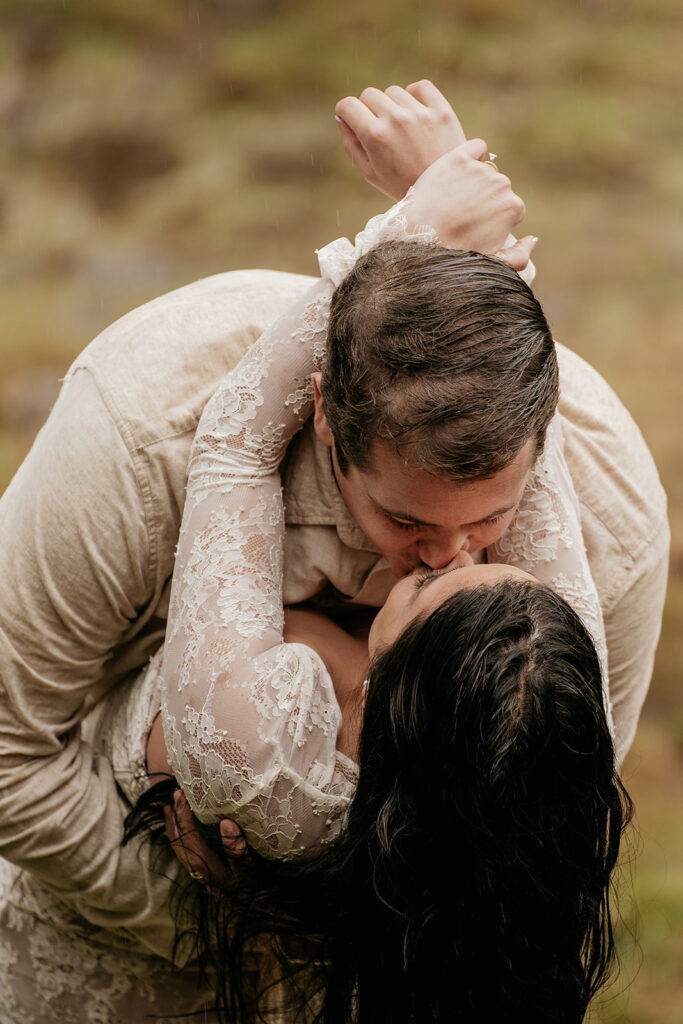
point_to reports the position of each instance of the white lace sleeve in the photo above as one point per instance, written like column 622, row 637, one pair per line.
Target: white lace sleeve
column 545, row 539
column 251, row 722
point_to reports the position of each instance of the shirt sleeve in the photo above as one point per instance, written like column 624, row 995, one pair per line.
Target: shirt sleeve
column 633, row 621
column 251, row 722
column 545, row 539
column 74, row 561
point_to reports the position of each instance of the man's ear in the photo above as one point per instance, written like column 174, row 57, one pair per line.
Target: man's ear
column 322, row 427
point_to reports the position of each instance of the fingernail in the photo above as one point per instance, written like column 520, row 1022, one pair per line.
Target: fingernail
column 534, row 240
column 337, row 119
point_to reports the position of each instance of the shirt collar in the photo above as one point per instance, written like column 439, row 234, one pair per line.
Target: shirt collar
column 311, row 494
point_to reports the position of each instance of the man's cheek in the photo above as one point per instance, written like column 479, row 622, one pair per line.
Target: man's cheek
column 382, row 539
column 391, row 542
column 490, row 535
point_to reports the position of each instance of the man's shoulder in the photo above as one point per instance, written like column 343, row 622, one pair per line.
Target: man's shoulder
column 623, row 505
column 157, row 366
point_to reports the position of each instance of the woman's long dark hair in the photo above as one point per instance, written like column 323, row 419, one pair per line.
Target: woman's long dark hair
column 472, row 879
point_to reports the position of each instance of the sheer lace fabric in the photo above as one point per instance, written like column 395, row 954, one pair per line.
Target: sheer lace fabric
column 55, row 967
column 253, row 717
column 251, row 722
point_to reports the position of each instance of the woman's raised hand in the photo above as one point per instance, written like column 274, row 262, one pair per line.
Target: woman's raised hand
column 467, row 201
column 393, row 136
column 403, row 137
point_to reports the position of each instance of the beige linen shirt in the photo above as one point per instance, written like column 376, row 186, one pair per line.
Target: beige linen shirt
column 89, row 528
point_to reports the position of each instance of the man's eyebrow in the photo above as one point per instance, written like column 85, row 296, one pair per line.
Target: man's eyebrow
column 421, row 522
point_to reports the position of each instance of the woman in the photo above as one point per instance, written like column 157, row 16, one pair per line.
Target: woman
column 471, row 878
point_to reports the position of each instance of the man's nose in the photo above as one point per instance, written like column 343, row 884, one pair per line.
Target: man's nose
column 438, row 553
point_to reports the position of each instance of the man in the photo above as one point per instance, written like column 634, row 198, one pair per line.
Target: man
column 91, row 523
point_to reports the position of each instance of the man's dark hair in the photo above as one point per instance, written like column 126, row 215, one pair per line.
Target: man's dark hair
column 446, row 354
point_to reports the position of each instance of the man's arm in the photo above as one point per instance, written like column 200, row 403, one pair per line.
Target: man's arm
column 75, row 565
column 625, row 530
column 89, row 527
column 632, row 627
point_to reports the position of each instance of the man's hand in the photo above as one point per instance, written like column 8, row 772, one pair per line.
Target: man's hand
column 395, row 135
column 192, row 850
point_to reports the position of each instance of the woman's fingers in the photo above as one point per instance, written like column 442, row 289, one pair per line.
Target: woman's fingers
column 188, row 844
column 477, row 149
column 352, row 147
column 171, row 825
column 378, row 102
column 518, row 255
column 401, row 97
column 359, row 118
column 232, row 837
column 426, row 93
column 396, row 136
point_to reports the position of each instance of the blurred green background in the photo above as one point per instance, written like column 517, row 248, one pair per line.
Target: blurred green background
column 145, row 145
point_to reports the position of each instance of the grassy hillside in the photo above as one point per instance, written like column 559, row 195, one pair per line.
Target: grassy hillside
column 145, row 145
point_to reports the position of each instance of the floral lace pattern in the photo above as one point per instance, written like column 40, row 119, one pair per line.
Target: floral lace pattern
column 55, row 967
column 251, row 722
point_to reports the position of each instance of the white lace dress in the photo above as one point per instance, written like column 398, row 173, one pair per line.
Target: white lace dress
column 250, row 721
